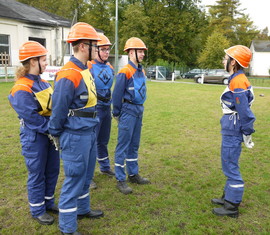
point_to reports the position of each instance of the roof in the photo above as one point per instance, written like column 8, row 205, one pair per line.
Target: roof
column 261, row 45
column 18, row 11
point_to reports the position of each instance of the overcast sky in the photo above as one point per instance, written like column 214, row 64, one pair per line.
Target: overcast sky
column 258, row 11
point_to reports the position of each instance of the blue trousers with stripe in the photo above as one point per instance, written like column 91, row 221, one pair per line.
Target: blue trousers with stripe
column 79, row 159
column 103, row 131
column 230, row 154
column 129, row 134
column 42, row 162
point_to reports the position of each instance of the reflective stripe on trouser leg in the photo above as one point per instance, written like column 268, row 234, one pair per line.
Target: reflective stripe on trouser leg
column 132, row 158
column 35, row 151
column 76, row 151
column 230, row 153
column 125, row 133
column 51, row 175
column 103, row 131
column 84, row 199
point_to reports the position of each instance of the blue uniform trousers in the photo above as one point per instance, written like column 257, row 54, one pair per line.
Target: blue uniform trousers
column 42, row 161
column 230, row 153
column 79, row 159
column 103, row 131
column 129, row 133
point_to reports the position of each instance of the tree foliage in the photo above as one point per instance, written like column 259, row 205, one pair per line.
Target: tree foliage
column 173, row 30
column 213, row 52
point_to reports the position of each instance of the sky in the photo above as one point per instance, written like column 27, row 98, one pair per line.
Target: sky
column 258, row 11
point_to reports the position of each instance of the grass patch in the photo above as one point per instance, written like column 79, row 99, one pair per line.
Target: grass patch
column 179, row 153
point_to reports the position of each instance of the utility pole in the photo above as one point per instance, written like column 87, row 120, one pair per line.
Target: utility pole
column 116, row 37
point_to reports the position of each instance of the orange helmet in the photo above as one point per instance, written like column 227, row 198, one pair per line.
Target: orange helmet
column 104, row 40
column 134, row 43
column 31, row 49
column 241, row 54
column 82, row 30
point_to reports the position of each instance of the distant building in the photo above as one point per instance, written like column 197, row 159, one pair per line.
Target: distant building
column 260, row 63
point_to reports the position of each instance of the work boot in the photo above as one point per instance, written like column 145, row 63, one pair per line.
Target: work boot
column 93, row 214
column 54, row 209
column 75, row 233
column 218, row 201
column 108, row 173
column 123, row 187
column 93, row 185
column 44, row 219
column 137, row 179
column 229, row 209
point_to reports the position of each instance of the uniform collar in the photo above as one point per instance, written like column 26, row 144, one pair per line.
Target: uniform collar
column 33, row 77
column 78, row 63
column 139, row 68
column 98, row 62
column 235, row 74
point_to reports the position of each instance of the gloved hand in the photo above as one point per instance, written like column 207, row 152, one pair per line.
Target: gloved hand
column 248, row 141
column 56, row 142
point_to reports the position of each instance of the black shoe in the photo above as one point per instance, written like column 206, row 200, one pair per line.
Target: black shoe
column 123, row 187
column 93, row 214
column 108, row 173
column 75, row 233
column 218, row 201
column 137, row 179
column 54, row 209
column 93, row 185
column 228, row 209
column 44, row 219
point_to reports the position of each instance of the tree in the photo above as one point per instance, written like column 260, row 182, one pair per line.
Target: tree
column 213, row 52
column 228, row 19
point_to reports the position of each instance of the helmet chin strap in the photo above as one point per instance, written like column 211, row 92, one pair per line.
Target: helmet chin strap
column 90, row 51
column 39, row 66
column 100, row 57
column 137, row 56
column 228, row 64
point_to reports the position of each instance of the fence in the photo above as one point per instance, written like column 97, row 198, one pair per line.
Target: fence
column 5, row 62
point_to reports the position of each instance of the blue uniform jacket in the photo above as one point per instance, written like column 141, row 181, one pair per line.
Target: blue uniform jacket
column 131, row 86
column 70, row 92
column 25, row 104
column 238, row 98
column 103, row 74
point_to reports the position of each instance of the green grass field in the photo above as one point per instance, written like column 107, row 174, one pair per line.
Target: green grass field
column 179, row 153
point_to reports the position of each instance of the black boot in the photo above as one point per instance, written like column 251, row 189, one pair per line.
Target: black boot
column 45, row 219
column 219, row 201
column 123, row 187
column 137, row 179
column 229, row 209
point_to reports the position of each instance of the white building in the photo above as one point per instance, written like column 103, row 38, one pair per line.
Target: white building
column 260, row 63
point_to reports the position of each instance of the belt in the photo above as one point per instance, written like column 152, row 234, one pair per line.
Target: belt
column 130, row 102
column 77, row 113
column 106, row 100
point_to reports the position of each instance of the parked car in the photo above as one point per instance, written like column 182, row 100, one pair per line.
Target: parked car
column 192, row 73
column 151, row 72
column 214, row 76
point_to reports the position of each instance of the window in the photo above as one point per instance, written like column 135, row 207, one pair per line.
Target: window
column 4, row 49
column 42, row 41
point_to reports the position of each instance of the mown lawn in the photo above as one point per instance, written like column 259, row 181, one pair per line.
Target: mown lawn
column 179, row 153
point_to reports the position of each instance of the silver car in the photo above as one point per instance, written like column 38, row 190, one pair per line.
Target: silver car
column 214, row 76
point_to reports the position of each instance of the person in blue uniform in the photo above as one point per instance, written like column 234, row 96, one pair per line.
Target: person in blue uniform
column 103, row 74
column 128, row 98
column 72, row 125
column 236, row 127
column 30, row 97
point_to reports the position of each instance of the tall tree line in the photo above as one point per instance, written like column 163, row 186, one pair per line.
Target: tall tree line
column 176, row 31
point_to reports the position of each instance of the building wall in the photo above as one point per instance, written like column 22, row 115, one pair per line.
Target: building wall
column 20, row 32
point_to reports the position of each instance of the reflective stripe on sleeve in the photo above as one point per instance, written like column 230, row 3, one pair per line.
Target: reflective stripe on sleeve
column 67, row 210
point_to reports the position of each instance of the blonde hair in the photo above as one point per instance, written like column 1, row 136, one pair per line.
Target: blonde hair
column 22, row 70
